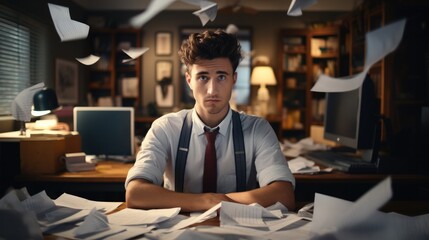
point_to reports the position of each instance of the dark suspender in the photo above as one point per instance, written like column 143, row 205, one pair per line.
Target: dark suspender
column 239, row 153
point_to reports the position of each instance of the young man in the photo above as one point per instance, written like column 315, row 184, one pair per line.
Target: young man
column 211, row 58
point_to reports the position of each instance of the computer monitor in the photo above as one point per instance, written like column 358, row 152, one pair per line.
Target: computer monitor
column 106, row 132
column 351, row 118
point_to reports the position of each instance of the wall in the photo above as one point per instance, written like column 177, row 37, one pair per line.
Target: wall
column 265, row 27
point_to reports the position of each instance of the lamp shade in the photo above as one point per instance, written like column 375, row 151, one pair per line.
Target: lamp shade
column 263, row 75
column 44, row 101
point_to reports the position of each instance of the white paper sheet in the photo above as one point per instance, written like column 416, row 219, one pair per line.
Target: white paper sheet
column 245, row 215
column 331, row 213
column 38, row 203
column 154, row 7
column 207, row 12
column 379, row 43
column 72, row 201
column 134, row 53
column 296, row 6
column 130, row 216
column 89, row 60
column 192, row 220
column 67, row 28
column 93, row 223
column 21, row 105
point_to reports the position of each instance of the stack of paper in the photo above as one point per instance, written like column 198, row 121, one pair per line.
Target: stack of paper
column 75, row 162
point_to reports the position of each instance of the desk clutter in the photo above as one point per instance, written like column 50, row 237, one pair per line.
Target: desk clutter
column 328, row 217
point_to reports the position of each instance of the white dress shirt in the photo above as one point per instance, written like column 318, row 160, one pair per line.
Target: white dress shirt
column 155, row 161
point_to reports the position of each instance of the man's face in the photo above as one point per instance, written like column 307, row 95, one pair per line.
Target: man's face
column 211, row 82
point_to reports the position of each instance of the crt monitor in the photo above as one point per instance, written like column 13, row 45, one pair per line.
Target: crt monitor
column 105, row 131
column 351, row 117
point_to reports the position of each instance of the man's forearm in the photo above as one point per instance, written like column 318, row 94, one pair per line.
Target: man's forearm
column 145, row 195
column 268, row 195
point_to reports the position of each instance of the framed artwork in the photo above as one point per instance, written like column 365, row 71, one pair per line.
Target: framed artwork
column 66, row 81
column 163, row 43
column 164, row 92
column 130, row 87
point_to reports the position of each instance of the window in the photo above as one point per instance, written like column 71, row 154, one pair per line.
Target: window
column 21, row 61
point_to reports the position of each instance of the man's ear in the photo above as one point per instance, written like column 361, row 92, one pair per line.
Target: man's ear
column 188, row 79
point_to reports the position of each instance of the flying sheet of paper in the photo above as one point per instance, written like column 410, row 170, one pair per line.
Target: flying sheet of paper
column 207, row 12
column 379, row 43
column 296, row 6
column 130, row 216
column 21, row 105
column 331, row 213
column 154, row 7
column 71, row 201
column 134, row 53
column 89, row 60
column 67, row 28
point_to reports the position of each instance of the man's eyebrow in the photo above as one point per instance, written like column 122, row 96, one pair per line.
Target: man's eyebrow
column 222, row 72
column 202, row 73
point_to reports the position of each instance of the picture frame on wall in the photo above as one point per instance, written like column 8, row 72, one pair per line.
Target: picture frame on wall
column 164, row 90
column 163, row 43
column 66, row 81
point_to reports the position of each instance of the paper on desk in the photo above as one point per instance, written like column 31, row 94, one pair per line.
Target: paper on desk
column 67, row 28
column 89, row 60
column 207, row 12
column 130, row 216
column 152, row 9
column 11, row 201
column 245, row 215
column 72, row 201
column 297, row 5
column 192, row 220
column 93, row 223
column 38, row 203
column 302, row 165
column 379, row 43
column 21, row 105
column 134, row 53
column 331, row 213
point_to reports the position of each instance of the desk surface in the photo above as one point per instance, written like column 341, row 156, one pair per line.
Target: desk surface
column 113, row 171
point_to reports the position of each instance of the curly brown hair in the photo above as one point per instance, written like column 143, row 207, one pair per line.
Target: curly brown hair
column 209, row 45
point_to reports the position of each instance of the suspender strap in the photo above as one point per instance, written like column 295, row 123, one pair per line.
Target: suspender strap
column 239, row 153
column 182, row 152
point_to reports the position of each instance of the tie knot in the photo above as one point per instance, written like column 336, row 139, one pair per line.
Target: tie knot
column 211, row 134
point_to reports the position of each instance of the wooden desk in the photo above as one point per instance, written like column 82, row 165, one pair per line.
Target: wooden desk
column 411, row 192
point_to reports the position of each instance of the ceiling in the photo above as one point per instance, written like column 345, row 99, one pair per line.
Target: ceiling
column 260, row 5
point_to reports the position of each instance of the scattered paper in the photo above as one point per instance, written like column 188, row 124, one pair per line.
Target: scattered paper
column 296, row 6
column 134, row 53
column 153, row 8
column 38, row 203
column 207, row 12
column 21, row 105
column 331, row 213
column 303, row 165
column 379, row 43
column 95, row 222
column 192, row 220
column 89, row 60
column 67, row 28
column 245, row 215
column 76, row 202
column 128, row 216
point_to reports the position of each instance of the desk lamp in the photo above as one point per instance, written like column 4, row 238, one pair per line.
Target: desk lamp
column 44, row 102
column 263, row 75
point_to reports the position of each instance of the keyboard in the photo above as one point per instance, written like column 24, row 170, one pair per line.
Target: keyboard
column 341, row 161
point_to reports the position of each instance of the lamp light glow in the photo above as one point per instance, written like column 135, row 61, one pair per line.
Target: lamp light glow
column 263, row 75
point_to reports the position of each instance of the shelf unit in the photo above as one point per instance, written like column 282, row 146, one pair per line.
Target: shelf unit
column 304, row 54
column 112, row 81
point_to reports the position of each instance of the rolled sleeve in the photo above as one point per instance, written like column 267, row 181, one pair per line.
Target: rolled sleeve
column 275, row 173
column 146, row 172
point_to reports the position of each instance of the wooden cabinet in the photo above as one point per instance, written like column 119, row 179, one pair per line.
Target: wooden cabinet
column 111, row 80
column 303, row 55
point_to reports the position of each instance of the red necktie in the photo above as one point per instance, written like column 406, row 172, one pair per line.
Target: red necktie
column 210, row 162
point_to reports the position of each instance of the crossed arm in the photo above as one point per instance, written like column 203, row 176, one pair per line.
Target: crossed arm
column 143, row 194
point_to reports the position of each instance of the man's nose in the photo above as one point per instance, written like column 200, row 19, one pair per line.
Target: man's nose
column 211, row 87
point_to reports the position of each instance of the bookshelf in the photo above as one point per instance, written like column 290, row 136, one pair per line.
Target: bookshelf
column 112, row 81
column 303, row 55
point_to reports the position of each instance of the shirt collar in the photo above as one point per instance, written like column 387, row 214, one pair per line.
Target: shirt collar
column 198, row 125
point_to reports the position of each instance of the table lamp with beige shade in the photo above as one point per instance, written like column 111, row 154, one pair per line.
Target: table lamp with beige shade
column 263, row 76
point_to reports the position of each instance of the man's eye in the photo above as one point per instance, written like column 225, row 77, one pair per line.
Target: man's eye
column 221, row 77
column 202, row 78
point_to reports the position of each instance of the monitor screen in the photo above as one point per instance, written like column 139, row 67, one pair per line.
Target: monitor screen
column 105, row 131
column 350, row 117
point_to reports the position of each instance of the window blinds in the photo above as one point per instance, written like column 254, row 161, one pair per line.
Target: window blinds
column 22, row 62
